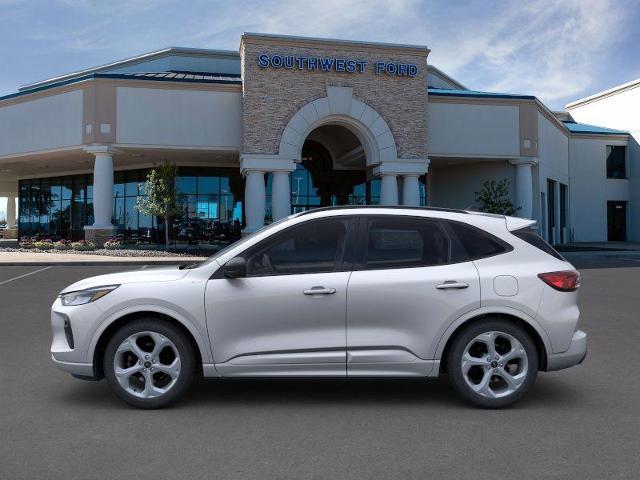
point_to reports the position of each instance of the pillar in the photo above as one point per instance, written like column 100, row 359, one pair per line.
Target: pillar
column 280, row 195
column 102, row 229
column 411, row 191
column 11, row 211
column 254, row 199
column 524, row 187
column 389, row 189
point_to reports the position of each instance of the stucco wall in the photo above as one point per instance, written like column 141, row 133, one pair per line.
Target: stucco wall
column 454, row 186
column 468, row 129
column 45, row 123
column 271, row 96
column 620, row 111
column 590, row 189
column 190, row 118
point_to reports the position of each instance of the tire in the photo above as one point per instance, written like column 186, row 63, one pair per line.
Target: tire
column 149, row 363
column 492, row 378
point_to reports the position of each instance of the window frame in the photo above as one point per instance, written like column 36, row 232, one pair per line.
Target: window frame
column 625, row 173
column 343, row 264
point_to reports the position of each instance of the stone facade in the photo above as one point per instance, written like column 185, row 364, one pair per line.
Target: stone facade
column 272, row 96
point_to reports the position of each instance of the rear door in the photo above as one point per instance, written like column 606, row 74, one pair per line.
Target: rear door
column 404, row 292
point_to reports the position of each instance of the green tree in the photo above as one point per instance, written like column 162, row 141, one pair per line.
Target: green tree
column 161, row 198
column 494, row 198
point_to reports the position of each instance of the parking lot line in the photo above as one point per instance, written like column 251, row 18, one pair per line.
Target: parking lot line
column 25, row 275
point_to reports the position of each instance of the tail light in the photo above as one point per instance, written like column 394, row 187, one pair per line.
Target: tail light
column 566, row 281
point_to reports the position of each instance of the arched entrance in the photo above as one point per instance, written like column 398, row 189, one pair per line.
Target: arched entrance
column 332, row 171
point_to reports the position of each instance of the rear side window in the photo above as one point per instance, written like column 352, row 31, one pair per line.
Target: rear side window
column 530, row 236
column 473, row 243
column 405, row 242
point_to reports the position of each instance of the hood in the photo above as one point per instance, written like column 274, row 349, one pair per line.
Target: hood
column 164, row 274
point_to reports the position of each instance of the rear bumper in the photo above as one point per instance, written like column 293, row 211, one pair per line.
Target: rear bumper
column 574, row 355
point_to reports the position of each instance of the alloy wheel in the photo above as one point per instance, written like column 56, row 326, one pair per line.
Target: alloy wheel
column 494, row 364
column 147, row 364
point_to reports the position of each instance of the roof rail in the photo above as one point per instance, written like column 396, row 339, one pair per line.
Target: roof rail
column 373, row 207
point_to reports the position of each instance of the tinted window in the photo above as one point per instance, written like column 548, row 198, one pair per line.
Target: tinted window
column 402, row 242
column 616, row 167
column 316, row 246
column 471, row 243
column 530, row 236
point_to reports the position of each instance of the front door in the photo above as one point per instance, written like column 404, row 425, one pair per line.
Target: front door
column 287, row 317
column 403, row 293
column 617, row 221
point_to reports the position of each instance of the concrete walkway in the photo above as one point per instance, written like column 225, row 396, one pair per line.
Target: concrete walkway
column 33, row 258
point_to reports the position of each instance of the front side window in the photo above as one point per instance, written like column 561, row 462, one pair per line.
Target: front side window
column 405, row 242
column 616, row 164
column 316, row 246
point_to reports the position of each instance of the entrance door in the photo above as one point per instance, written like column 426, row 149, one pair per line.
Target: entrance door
column 287, row 316
column 617, row 221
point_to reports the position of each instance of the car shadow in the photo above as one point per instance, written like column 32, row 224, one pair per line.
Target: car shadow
column 258, row 393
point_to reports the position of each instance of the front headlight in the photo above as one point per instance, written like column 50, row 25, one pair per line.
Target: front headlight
column 81, row 297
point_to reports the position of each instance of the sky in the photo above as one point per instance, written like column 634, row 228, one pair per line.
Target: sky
column 557, row 50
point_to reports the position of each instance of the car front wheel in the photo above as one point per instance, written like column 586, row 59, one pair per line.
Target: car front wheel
column 492, row 363
column 149, row 363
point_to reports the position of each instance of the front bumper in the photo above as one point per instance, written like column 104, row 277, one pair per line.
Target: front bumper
column 574, row 355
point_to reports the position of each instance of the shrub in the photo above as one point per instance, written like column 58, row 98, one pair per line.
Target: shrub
column 83, row 245
column 46, row 244
column 62, row 245
column 113, row 244
column 25, row 242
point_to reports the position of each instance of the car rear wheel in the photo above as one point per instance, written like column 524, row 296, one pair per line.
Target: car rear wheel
column 492, row 363
column 149, row 363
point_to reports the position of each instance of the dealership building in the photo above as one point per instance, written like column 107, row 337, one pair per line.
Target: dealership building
column 290, row 123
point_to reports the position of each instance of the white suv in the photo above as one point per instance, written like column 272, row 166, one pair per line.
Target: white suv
column 335, row 292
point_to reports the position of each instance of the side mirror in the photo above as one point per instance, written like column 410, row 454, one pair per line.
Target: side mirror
column 235, row 268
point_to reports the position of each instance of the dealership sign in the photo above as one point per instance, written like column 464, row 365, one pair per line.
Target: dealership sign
column 335, row 64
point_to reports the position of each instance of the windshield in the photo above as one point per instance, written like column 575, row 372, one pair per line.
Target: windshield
column 243, row 240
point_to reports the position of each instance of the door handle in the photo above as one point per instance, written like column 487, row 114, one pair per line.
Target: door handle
column 319, row 291
column 453, row 285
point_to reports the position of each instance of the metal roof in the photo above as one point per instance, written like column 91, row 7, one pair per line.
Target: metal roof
column 445, row 92
column 585, row 128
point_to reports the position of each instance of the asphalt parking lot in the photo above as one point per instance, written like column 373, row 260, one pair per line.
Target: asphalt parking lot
column 581, row 423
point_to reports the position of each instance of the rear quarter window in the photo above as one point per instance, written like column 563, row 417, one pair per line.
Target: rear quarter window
column 472, row 243
column 530, row 236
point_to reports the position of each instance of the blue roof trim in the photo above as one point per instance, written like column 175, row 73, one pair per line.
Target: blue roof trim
column 226, row 80
column 445, row 92
column 585, row 128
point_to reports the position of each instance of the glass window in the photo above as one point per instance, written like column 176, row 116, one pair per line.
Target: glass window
column 118, row 184
column 405, row 242
column 471, row 243
column 616, row 165
column 315, row 246
column 530, row 236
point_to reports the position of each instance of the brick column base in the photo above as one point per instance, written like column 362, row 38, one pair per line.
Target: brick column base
column 9, row 233
column 98, row 235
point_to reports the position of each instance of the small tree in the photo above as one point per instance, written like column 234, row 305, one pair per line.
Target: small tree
column 494, row 198
column 160, row 191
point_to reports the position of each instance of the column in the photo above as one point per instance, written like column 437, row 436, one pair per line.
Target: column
column 11, row 211
column 411, row 191
column 254, row 199
column 280, row 195
column 103, row 190
column 102, row 229
column 389, row 189
column 524, row 187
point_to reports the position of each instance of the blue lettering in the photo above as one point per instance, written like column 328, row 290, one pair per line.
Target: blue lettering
column 413, row 70
column 391, row 69
column 403, row 69
column 288, row 61
column 276, row 61
column 379, row 67
column 361, row 65
column 327, row 63
column 263, row 60
column 340, row 64
column 301, row 62
column 312, row 63
column 351, row 66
